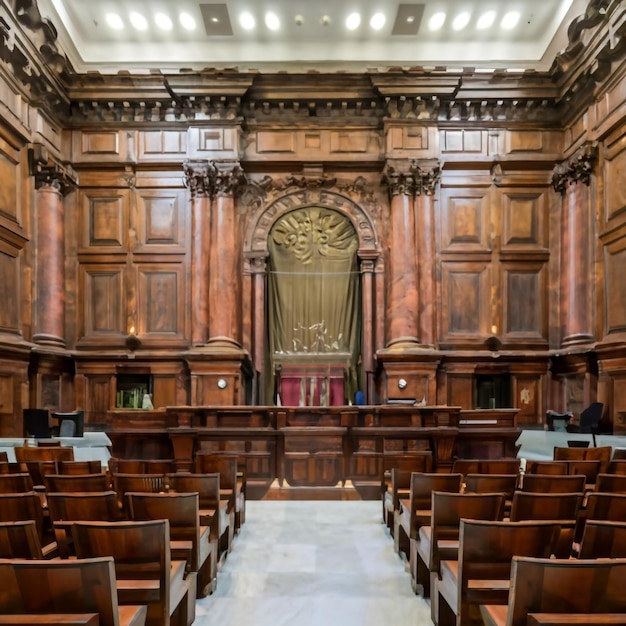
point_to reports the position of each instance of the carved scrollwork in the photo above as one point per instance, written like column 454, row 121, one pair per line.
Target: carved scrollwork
column 578, row 168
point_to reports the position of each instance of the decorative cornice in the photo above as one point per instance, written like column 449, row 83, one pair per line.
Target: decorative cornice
column 578, row 168
column 214, row 178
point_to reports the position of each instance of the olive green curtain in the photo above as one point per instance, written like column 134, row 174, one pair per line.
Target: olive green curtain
column 314, row 292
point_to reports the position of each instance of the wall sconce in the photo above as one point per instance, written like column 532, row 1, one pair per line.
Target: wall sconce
column 132, row 341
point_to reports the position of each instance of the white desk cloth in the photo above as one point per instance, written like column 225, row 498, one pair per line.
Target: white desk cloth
column 94, row 446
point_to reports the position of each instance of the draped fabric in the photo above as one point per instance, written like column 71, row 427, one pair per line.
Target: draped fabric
column 314, row 299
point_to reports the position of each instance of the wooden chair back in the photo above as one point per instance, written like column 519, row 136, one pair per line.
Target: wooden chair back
column 4, row 457
column 603, row 540
column 141, row 466
column 545, row 506
column 547, row 467
column 422, row 487
column 15, row 507
column 563, row 586
column 145, row 483
column 553, row 483
column 491, row 483
column 610, row 507
column 415, row 461
column 80, row 467
column 16, row 483
column 600, row 453
column 44, row 453
column 610, row 483
column 447, row 511
column 617, row 466
column 588, row 467
column 485, row 466
column 62, row 587
column 76, row 482
column 13, row 467
column 143, row 566
column 19, row 540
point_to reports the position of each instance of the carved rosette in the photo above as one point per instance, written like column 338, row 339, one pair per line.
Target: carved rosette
column 419, row 179
column 578, row 168
column 214, row 178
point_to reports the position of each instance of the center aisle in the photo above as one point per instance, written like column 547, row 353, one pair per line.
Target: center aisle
column 313, row 563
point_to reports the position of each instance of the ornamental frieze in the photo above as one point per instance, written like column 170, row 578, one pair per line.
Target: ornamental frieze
column 416, row 178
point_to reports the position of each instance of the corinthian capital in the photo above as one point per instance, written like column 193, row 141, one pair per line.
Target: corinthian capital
column 412, row 178
column 213, row 178
column 578, row 168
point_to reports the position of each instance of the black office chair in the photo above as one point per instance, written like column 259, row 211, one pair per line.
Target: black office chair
column 589, row 421
column 70, row 424
column 36, row 423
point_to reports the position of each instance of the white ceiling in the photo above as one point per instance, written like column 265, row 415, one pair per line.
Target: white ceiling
column 91, row 45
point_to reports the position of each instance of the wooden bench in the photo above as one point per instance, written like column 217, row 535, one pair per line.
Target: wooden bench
column 15, row 507
column 560, row 586
column 553, row 483
column 440, row 540
column 483, row 570
column 145, row 572
column 145, row 483
column 415, row 512
column 214, row 512
column 188, row 539
column 76, row 482
column 19, row 540
column 230, row 479
column 610, row 483
column 486, row 466
column 16, row 483
column 572, row 619
column 93, row 466
column 57, row 590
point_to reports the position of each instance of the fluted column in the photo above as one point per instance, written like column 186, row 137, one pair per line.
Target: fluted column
column 406, row 183
column 197, row 181
column 51, row 184
column 572, row 179
column 224, row 258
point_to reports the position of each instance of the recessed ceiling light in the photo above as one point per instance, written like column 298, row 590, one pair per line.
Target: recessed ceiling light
column 461, row 21
column 437, row 21
column 378, row 21
column 510, row 20
column 353, row 21
column 215, row 20
column 138, row 21
column 410, row 19
column 272, row 21
column 114, row 21
column 163, row 21
column 486, row 20
column 247, row 21
column 187, row 21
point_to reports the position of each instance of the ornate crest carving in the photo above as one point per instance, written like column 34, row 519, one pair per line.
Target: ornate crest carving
column 578, row 168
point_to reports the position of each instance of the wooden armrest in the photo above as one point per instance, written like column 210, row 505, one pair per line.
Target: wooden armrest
column 493, row 614
column 562, row 619
column 132, row 615
column 64, row 619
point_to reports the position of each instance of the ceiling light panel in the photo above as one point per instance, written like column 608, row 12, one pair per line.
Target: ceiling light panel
column 138, row 21
column 187, row 21
column 163, row 21
column 272, row 21
column 377, row 21
column 216, row 20
column 486, row 20
column 353, row 21
column 114, row 21
column 408, row 19
column 461, row 20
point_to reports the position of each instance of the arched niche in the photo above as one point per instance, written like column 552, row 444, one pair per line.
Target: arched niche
column 256, row 255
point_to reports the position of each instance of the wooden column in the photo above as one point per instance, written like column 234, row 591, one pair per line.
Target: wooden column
column 368, row 300
column 197, row 181
column 425, row 215
column 572, row 180
column 49, row 325
column 403, row 299
column 225, row 259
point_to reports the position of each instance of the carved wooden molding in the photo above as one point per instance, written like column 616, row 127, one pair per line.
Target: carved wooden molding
column 578, row 168
column 49, row 173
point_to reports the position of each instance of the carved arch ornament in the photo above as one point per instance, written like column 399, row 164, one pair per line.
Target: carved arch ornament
column 258, row 234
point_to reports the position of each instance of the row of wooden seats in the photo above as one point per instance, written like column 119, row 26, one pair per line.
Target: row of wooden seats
column 158, row 562
column 72, row 593
column 482, row 573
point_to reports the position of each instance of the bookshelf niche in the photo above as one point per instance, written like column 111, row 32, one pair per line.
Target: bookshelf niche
column 131, row 389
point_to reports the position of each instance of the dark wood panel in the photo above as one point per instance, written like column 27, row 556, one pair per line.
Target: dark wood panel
column 524, row 220
column 104, row 219
column 9, row 293
column 161, row 220
column 525, row 300
column 161, row 299
column 615, row 295
column 102, row 303
column 465, row 220
column 9, row 205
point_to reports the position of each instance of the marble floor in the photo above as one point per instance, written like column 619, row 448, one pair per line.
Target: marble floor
column 313, row 563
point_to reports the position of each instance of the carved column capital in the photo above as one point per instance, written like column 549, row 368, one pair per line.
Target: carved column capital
column 578, row 168
column 213, row 178
column 54, row 176
column 413, row 178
